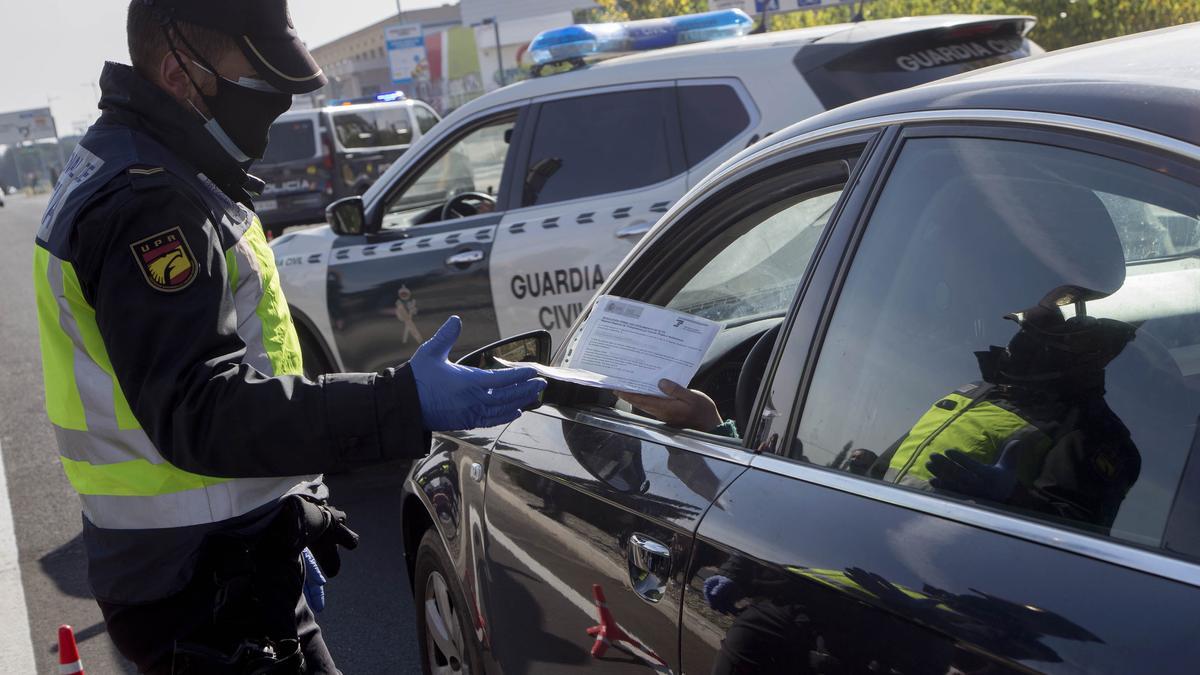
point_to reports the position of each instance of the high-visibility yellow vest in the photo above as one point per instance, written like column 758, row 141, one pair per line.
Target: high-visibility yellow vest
column 972, row 425
column 124, row 482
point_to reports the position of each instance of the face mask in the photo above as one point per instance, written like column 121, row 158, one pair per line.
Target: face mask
column 242, row 112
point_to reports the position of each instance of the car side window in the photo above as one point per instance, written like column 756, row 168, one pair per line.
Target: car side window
column 746, row 258
column 600, row 144
column 755, row 266
column 711, row 115
column 425, row 118
column 1020, row 328
column 472, row 162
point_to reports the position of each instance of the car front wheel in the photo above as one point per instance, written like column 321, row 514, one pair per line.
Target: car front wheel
column 448, row 645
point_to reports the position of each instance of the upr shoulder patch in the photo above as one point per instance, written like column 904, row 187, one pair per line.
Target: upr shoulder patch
column 166, row 260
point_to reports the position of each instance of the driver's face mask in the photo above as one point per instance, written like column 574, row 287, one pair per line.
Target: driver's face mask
column 242, row 111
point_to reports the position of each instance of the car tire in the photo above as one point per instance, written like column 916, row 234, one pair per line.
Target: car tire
column 316, row 363
column 445, row 638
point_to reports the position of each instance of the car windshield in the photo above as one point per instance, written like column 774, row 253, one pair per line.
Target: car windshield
column 290, row 141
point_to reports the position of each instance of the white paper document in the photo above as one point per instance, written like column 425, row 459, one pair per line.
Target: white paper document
column 629, row 346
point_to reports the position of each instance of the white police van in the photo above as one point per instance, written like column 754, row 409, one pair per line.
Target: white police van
column 517, row 206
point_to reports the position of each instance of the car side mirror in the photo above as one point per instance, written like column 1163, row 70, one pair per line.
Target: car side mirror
column 347, row 216
column 532, row 347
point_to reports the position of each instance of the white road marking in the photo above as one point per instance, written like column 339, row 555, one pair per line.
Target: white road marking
column 16, row 645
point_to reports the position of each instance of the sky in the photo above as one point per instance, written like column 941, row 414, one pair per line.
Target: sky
column 52, row 51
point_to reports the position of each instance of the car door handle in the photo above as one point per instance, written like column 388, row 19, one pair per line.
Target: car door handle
column 633, row 230
column 465, row 258
column 649, row 567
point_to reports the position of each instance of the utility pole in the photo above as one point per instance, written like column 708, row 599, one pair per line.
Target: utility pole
column 62, row 160
column 499, row 50
column 399, row 12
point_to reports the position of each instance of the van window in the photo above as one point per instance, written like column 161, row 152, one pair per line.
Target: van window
column 380, row 127
column 290, row 142
column 599, row 144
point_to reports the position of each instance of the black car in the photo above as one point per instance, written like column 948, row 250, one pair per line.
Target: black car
column 961, row 345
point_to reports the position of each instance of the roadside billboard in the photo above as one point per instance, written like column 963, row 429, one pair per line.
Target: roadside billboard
column 26, row 125
column 405, row 49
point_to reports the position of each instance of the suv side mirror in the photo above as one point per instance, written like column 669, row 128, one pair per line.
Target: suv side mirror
column 532, row 347
column 347, row 216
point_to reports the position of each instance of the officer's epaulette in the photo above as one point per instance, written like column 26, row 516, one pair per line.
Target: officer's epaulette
column 148, row 177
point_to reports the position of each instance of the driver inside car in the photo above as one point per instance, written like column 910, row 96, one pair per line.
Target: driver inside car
column 1035, row 433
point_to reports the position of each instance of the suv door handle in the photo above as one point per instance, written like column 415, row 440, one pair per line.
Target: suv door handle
column 649, row 567
column 465, row 258
column 633, row 230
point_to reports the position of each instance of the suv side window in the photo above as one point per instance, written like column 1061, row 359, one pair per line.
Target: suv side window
column 711, row 115
column 472, row 162
column 600, row 144
column 1020, row 328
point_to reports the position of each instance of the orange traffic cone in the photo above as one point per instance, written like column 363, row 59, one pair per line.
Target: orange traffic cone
column 68, row 653
column 609, row 632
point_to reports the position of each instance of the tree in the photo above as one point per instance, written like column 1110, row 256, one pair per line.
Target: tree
column 1061, row 23
column 632, row 10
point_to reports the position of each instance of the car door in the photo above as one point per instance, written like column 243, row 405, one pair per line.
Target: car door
column 390, row 290
column 1065, row 545
column 591, row 502
column 600, row 168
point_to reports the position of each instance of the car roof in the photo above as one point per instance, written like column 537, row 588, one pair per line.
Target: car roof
column 722, row 58
column 1141, row 80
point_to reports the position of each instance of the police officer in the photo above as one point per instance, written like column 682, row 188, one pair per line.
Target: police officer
column 173, row 372
column 1036, row 433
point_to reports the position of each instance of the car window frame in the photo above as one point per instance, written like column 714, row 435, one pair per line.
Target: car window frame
column 799, row 353
column 634, row 276
column 675, row 158
column 434, row 150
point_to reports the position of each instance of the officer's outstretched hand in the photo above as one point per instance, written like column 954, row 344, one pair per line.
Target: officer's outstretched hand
column 455, row 397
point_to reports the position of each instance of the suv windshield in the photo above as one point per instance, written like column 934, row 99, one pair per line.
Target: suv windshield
column 290, row 142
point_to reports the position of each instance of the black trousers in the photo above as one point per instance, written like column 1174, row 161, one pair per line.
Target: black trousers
column 146, row 634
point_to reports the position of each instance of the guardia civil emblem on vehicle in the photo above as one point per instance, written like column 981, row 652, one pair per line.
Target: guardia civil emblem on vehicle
column 166, row 260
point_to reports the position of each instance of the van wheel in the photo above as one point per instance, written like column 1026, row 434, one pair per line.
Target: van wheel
column 444, row 634
column 316, row 363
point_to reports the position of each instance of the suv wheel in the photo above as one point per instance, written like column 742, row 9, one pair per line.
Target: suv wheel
column 446, row 640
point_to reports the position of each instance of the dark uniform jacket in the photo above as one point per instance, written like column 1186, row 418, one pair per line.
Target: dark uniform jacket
column 177, row 354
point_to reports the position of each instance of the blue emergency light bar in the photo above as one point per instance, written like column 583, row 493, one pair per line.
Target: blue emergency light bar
column 388, row 97
column 581, row 40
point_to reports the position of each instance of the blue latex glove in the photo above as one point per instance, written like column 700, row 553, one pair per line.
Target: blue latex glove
column 721, row 592
column 958, row 472
column 455, row 397
column 314, row 582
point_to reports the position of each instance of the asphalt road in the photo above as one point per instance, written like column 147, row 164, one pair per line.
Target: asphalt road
column 369, row 622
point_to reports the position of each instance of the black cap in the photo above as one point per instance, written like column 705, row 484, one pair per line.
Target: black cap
column 264, row 32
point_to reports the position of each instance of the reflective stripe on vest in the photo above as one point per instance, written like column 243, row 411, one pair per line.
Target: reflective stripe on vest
column 122, row 479
column 978, row 428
